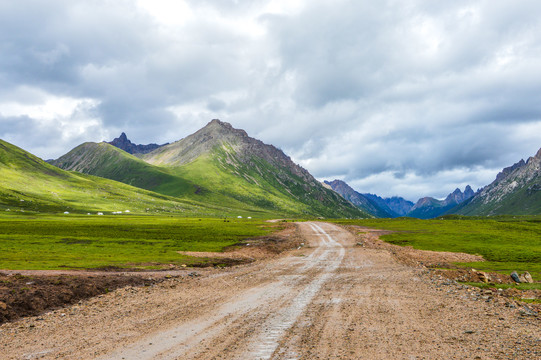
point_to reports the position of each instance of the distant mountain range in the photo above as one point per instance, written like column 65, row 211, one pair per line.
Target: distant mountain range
column 515, row 191
column 428, row 207
column 363, row 202
column 219, row 166
column 425, row 208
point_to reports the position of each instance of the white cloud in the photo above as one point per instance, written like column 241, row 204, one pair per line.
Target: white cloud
column 167, row 12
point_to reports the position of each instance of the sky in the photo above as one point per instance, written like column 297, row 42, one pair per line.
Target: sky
column 411, row 98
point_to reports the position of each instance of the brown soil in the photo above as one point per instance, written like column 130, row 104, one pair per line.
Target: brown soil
column 331, row 299
column 22, row 295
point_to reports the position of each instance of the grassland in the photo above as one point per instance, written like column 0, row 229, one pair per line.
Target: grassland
column 507, row 243
column 124, row 241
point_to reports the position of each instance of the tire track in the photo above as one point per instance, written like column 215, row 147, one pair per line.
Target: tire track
column 275, row 328
column 279, row 303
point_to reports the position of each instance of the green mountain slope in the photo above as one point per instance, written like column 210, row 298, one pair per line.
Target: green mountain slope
column 231, row 166
column 218, row 165
column 516, row 191
column 27, row 183
column 105, row 160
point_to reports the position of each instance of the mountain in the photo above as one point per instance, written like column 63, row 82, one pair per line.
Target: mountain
column 218, row 165
column 516, row 190
column 105, row 160
column 458, row 196
column 428, row 207
column 425, row 208
column 389, row 207
column 28, row 183
column 358, row 199
column 122, row 142
column 396, row 206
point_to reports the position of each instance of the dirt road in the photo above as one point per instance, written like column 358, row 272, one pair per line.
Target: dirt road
column 331, row 299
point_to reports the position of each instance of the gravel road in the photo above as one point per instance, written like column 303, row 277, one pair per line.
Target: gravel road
column 331, row 299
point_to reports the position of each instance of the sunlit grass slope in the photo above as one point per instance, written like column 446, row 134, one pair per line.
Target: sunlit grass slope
column 29, row 184
column 219, row 166
column 105, row 160
column 224, row 181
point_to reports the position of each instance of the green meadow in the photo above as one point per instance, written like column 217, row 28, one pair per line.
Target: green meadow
column 123, row 241
column 507, row 243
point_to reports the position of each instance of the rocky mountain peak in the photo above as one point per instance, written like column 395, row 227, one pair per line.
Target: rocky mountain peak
column 538, row 155
column 457, row 196
column 222, row 127
column 122, row 142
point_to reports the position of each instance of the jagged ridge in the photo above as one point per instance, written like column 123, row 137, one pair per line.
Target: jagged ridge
column 357, row 199
column 516, row 190
column 122, row 142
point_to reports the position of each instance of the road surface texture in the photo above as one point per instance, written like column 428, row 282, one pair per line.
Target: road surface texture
column 331, row 299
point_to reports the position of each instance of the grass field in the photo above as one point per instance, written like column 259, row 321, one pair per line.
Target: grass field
column 125, row 241
column 507, row 243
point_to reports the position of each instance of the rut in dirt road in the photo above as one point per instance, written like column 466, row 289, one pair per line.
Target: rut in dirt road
column 293, row 290
column 274, row 329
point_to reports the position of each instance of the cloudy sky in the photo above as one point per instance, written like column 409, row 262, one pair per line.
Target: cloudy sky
column 410, row 98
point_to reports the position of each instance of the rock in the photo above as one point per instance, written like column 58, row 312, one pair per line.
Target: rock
column 526, row 311
column 3, row 305
column 515, row 277
column 526, row 278
column 122, row 142
column 484, row 277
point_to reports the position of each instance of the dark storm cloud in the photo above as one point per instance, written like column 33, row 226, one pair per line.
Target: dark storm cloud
column 412, row 98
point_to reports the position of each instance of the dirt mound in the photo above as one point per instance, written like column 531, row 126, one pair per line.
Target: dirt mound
column 472, row 275
column 249, row 250
column 22, row 295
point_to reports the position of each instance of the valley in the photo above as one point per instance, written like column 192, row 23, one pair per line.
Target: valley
column 117, row 250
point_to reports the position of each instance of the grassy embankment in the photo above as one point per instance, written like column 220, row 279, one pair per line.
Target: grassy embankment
column 124, row 241
column 507, row 243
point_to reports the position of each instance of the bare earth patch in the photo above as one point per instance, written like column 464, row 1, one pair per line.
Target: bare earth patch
column 27, row 295
column 249, row 250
